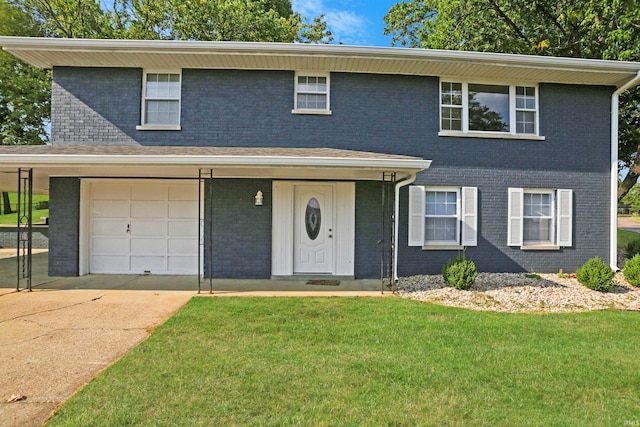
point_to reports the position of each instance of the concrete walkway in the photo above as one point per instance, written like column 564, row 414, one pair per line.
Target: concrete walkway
column 221, row 287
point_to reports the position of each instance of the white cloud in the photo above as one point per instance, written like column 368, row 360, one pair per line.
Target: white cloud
column 347, row 26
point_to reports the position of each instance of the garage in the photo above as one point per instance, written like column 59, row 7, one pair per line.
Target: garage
column 142, row 226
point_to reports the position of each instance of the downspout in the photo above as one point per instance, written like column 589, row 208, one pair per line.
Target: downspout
column 613, row 239
column 405, row 181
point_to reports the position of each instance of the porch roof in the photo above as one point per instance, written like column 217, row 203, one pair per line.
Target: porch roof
column 184, row 162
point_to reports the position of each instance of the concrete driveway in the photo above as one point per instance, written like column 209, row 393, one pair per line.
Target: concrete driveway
column 629, row 223
column 52, row 342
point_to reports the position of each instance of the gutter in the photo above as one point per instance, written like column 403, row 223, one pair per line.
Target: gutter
column 613, row 226
column 396, row 213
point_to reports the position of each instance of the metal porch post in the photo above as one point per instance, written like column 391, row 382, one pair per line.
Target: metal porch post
column 24, row 228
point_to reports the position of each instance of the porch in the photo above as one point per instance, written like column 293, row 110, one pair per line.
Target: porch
column 221, row 287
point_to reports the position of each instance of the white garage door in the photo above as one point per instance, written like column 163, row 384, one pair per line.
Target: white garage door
column 144, row 227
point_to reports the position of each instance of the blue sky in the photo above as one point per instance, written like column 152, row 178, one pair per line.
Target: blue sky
column 352, row 22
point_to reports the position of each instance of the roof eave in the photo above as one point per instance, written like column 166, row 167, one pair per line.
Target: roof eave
column 44, row 52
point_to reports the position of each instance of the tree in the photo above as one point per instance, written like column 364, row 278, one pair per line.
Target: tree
column 24, row 90
column 598, row 29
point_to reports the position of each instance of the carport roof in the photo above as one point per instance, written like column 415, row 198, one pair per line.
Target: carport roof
column 184, row 162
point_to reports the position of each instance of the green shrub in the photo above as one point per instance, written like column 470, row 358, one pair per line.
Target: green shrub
column 633, row 248
column 632, row 270
column 596, row 274
column 460, row 273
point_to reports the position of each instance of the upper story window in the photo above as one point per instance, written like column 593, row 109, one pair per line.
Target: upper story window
column 483, row 109
column 161, row 100
column 311, row 93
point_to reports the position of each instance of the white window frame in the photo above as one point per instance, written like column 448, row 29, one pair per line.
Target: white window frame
column 512, row 134
column 456, row 216
column 562, row 214
column 143, row 125
column 466, row 215
column 551, row 217
column 296, row 91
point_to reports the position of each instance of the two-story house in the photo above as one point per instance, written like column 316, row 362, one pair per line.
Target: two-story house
column 260, row 160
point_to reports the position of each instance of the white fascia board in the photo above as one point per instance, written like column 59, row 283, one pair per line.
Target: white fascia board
column 240, row 161
column 263, row 48
column 378, row 55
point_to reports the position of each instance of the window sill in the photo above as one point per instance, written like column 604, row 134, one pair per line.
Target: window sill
column 442, row 248
column 317, row 112
column 540, row 247
column 158, row 127
column 490, row 135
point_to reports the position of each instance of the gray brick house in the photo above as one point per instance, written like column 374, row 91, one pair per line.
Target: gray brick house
column 262, row 160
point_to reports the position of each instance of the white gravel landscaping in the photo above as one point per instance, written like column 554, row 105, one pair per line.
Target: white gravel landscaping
column 515, row 293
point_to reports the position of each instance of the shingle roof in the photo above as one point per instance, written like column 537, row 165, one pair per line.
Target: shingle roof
column 177, row 151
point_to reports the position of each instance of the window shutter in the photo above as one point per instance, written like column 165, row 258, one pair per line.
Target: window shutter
column 516, row 217
column 416, row 215
column 565, row 217
column 469, row 216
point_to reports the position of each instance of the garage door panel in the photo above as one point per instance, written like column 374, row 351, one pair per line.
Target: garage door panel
column 148, row 227
column 183, row 228
column 110, row 245
column 148, row 246
column 183, row 264
column 149, row 191
column 110, row 191
column 148, row 210
column 185, row 192
column 111, row 209
column 182, row 246
column 109, row 227
column 110, row 264
column 183, row 210
column 152, row 264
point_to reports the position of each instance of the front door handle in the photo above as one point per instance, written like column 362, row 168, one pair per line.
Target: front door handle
column 128, row 228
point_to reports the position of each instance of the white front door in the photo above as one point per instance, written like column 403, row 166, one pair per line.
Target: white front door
column 313, row 242
column 139, row 227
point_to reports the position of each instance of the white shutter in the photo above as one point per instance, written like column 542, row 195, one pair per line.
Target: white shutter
column 565, row 217
column 416, row 215
column 516, row 217
column 469, row 216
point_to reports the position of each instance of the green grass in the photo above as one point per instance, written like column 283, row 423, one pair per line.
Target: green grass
column 624, row 237
column 368, row 362
column 12, row 219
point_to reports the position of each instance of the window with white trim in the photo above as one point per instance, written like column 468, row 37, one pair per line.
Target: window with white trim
column 540, row 218
column 488, row 108
column 161, row 99
column 311, row 93
column 443, row 216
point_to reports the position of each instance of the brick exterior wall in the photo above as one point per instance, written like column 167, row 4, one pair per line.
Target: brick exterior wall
column 39, row 236
column 379, row 113
column 64, row 226
column 238, row 232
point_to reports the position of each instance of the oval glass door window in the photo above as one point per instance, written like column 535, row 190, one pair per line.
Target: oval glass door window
column 312, row 218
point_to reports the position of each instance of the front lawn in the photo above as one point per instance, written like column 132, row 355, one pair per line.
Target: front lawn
column 368, row 361
column 12, row 218
column 625, row 237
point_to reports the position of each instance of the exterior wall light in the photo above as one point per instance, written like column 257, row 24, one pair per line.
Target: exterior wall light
column 259, row 198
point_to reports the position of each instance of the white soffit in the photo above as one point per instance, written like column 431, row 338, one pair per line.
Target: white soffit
column 49, row 53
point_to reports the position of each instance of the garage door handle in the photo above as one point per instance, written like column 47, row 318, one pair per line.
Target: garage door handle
column 128, row 228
